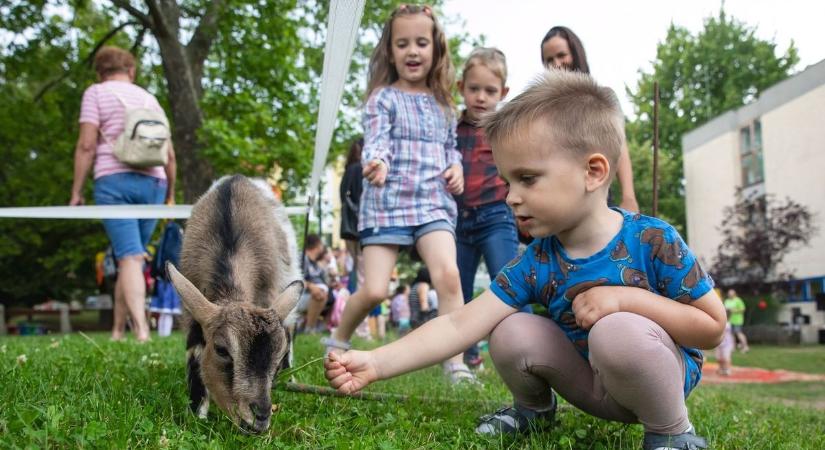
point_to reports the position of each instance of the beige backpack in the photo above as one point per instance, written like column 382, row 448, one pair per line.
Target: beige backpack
column 145, row 139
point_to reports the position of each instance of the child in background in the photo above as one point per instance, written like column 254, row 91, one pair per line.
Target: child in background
column 411, row 168
column 628, row 304
column 400, row 309
column 724, row 352
column 486, row 226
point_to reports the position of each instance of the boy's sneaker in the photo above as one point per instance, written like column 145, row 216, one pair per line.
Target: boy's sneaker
column 516, row 419
column 685, row 441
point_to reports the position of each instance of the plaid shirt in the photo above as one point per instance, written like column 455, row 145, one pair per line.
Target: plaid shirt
column 413, row 135
column 482, row 185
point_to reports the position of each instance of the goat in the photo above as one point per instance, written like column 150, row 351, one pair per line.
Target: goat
column 239, row 280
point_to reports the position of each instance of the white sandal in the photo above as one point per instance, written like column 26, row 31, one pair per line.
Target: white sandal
column 459, row 373
column 332, row 344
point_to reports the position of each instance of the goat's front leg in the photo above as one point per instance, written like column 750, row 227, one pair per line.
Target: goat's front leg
column 198, row 395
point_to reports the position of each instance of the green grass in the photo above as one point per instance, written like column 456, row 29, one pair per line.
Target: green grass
column 72, row 393
column 808, row 359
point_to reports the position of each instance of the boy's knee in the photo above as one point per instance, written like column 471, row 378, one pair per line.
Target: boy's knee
column 615, row 340
column 507, row 338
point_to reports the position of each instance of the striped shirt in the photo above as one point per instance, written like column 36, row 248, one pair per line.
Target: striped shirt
column 413, row 135
column 101, row 108
column 482, row 185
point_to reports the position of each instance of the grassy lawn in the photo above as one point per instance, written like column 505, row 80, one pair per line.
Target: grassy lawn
column 808, row 359
column 73, row 393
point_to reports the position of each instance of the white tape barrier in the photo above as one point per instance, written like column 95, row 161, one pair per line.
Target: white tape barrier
column 342, row 31
column 112, row 212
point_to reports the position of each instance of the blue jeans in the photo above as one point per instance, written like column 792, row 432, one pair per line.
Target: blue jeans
column 129, row 236
column 488, row 231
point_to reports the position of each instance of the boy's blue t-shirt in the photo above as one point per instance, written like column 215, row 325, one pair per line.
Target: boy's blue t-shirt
column 647, row 253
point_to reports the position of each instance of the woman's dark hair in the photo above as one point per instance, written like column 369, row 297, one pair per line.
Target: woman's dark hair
column 312, row 241
column 423, row 276
column 354, row 155
column 400, row 289
column 575, row 44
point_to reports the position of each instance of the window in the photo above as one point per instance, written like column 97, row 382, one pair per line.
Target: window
column 750, row 153
column 816, row 287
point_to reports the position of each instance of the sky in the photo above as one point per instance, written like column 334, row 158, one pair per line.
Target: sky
column 620, row 37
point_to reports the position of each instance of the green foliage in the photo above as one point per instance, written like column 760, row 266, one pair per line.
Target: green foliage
column 642, row 157
column 72, row 392
column 700, row 76
column 40, row 258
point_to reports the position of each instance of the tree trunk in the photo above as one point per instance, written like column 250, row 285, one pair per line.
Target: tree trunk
column 195, row 172
column 183, row 68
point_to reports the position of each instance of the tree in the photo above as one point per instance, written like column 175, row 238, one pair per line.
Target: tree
column 700, row 76
column 240, row 82
column 757, row 233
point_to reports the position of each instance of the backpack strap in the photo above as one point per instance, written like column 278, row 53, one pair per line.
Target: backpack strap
column 113, row 92
column 122, row 102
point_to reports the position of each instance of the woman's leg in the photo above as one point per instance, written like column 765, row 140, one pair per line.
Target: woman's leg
column 379, row 261
column 133, row 289
column 119, row 313
column 438, row 251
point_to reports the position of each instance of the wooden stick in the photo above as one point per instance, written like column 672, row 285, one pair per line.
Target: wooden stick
column 655, row 148
column 301, row 388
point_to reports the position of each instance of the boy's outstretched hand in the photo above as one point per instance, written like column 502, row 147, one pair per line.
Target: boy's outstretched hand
column 351, row 371
column 455, row 179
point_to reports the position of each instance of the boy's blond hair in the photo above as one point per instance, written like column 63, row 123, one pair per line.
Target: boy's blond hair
column 581, row 116
column 489, row 57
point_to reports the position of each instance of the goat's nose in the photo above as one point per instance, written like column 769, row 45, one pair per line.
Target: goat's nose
column 261, row 410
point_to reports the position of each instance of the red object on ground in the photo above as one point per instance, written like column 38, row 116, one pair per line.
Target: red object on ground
column 762, row 304
column 754, row 375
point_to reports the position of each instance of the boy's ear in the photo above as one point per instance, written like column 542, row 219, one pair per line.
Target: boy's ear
column 504, row 91
column 598, row 172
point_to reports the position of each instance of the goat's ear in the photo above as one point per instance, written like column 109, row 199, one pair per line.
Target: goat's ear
column 201, row 309
column 288, row 298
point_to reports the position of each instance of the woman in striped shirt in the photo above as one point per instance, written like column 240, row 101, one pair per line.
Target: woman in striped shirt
column 102, row 117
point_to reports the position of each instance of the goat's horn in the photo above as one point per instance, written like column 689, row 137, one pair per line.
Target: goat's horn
column 201, row 309
column 288, row 298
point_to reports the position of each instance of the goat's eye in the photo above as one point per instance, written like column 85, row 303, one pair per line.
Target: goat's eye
column 221, row 351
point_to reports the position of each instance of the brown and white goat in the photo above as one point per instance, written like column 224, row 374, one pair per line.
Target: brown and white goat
column 239, row 280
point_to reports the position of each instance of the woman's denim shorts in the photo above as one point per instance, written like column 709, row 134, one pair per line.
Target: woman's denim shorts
column 129, row 236
column 402, row 236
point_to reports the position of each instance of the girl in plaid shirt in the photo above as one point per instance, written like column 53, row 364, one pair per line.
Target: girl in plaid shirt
column 411, row 169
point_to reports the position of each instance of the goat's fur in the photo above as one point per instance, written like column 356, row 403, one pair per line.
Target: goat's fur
column 239, row 280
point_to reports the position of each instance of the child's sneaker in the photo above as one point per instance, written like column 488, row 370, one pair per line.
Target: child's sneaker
column 516, row 419
column 459, row 373
column 685, row 441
